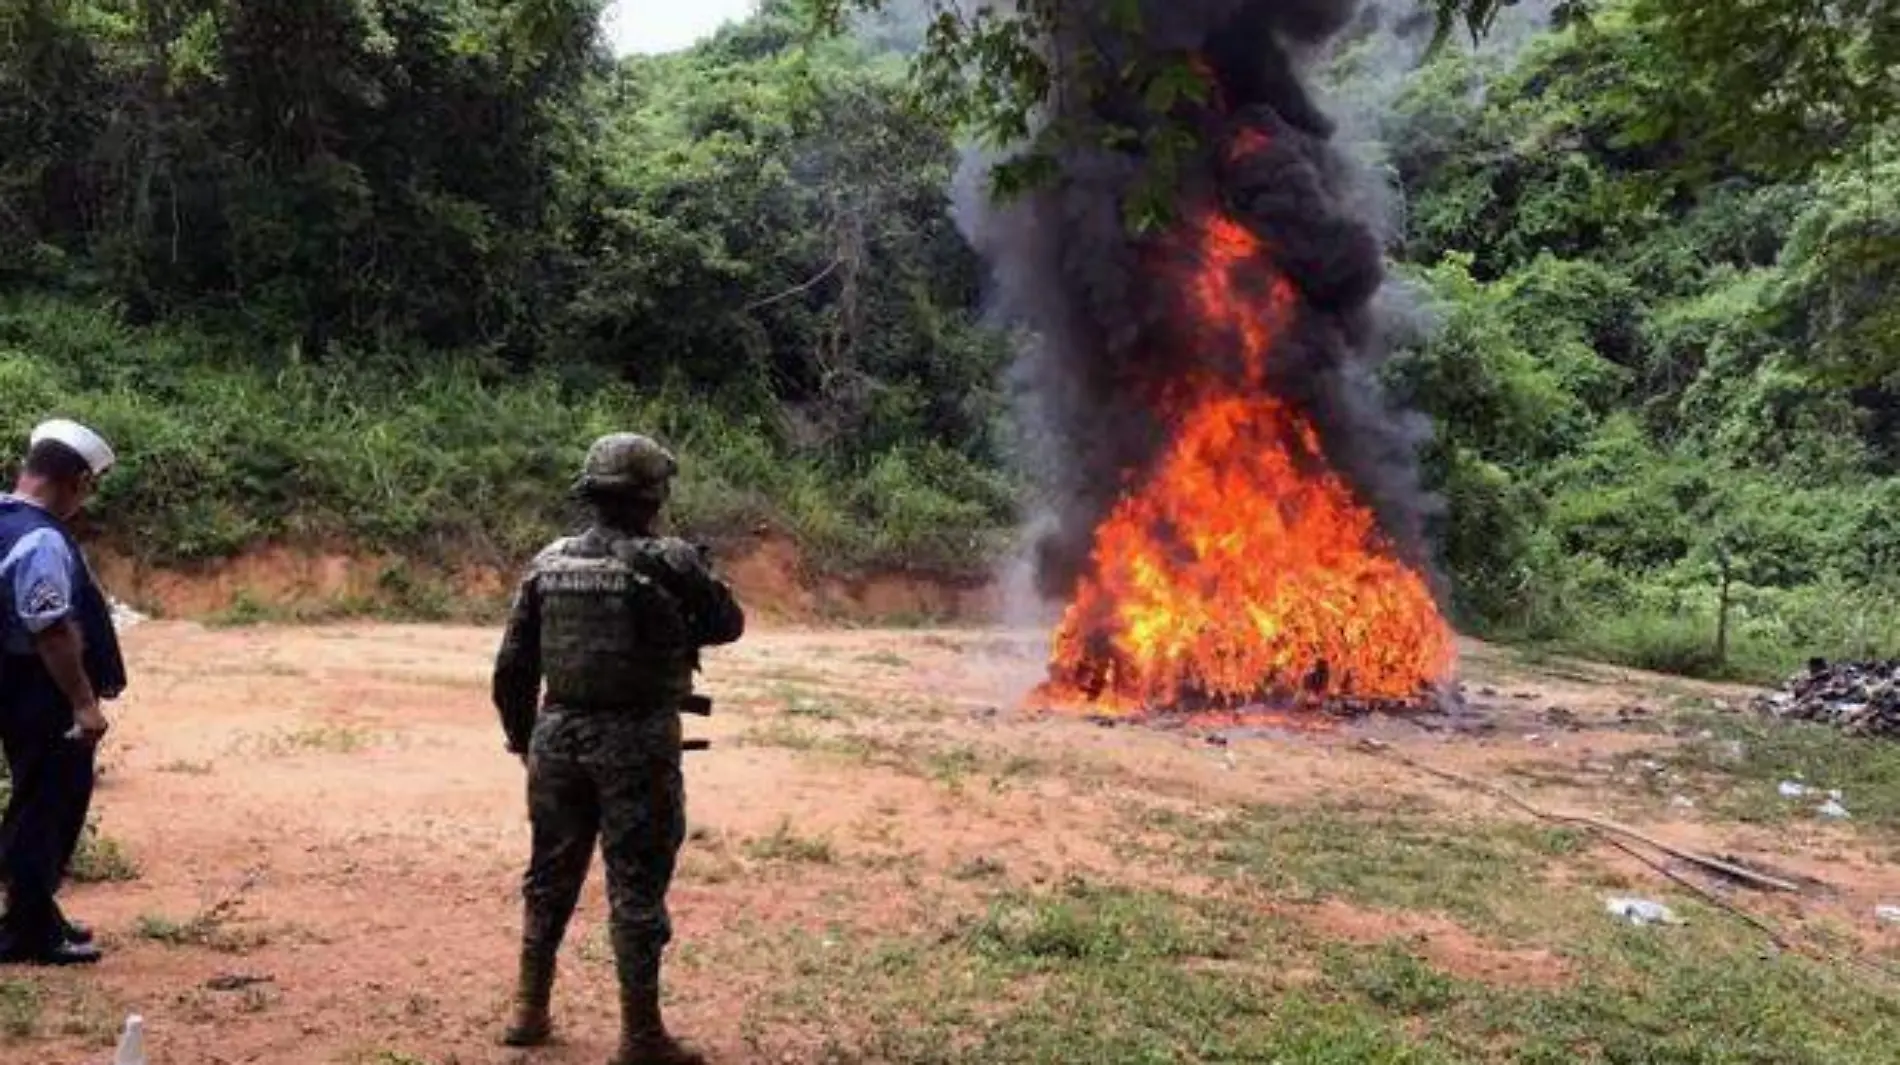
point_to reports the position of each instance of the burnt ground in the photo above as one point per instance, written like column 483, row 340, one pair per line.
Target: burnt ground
column 310, row 844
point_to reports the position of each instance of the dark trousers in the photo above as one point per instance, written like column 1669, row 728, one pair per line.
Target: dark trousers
column 637, row 812
column 52, row 780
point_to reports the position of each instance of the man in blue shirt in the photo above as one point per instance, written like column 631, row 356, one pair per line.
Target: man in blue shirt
column 59, row 657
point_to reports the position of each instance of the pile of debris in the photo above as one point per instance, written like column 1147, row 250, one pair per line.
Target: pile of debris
column 1858, row 697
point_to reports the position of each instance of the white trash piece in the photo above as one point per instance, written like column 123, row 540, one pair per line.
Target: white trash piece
column 1887, row 914
column 132, row 1043
column 1833, row 808
column 1792, row 790
column 1640, row 911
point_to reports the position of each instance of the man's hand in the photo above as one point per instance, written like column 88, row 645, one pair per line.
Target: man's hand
column 62, row 649
column 89, row 723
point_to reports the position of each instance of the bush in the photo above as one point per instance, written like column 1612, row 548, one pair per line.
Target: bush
column 442, row 459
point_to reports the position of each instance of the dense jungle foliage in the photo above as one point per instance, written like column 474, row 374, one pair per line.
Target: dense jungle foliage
column 372, row 272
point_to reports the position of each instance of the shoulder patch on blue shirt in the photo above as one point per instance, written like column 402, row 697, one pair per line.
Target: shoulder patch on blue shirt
column 45, row 598
column 40, row 569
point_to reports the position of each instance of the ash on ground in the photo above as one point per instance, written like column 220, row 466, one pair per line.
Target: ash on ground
column 1448, row 711
column 1856, row 697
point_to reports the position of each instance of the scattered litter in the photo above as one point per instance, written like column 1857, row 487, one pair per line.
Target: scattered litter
column 1887, row 914
column 1833, row 808
column 1793, row 790
column 1682, row 802
column 1650, row 765
column 131, row 1043
column 1857, row 697
column 1641, row 911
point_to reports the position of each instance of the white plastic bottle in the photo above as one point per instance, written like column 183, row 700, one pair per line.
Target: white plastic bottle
column 132, row 1043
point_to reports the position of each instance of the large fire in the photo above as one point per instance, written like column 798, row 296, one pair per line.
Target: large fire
column 1242, row 572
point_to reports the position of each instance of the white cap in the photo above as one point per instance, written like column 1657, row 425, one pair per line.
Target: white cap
column 91, row 446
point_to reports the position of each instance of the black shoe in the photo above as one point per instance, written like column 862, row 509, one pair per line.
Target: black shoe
column 78, row 934
column 64, row 954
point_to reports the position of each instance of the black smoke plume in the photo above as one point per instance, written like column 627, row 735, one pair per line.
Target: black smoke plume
column 1067, row 267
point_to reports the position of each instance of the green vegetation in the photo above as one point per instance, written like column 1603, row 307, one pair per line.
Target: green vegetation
column 101, row 859
column 1736, row 765
column 210, row 929
column 1663, row 374
column 19, row 1008
column 310, row 739
column 1657, row 388
column 394, row 322
column 786, row 845
column 1094, row 973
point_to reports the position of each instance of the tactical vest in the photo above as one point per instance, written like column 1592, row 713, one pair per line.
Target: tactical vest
column 612, row 636
column 105, row 667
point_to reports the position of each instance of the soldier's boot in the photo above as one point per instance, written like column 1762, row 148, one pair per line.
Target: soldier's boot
column 534, row 991
column 643, row 1036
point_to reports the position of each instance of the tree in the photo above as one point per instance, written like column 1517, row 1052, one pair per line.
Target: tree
column 1782, row 83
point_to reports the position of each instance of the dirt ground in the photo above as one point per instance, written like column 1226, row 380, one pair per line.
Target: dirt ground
column 328, row 835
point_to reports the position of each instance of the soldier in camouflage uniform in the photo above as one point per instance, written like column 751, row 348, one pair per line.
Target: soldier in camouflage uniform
column 613, row 619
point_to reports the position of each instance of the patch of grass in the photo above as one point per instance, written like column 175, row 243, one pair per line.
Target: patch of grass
column 1390, row 977
column 21, row 1004
column 785, row 734
column 885, row 658
column 183, row 767
column 786, row 845
column 800, row 703
column 1084, row 922
column 709, row 862
column 1094, row 972
column 30, row 1010
column 101, row 859
column 209, row 930
column 1086, row 973
column 244, row 610
column 596, row 947
column 317, row 739
column 949, row 767
column 1398, row 857
column 1736, row 763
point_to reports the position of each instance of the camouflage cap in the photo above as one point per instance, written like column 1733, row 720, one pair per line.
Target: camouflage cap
column 627, row 464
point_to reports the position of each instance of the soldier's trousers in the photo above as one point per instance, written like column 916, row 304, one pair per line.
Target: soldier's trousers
column 637, row 812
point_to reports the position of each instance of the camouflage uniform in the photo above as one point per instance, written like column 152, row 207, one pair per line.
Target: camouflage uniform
column 613, row 620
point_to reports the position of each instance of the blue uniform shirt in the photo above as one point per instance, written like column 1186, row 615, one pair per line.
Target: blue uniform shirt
column 38, row 574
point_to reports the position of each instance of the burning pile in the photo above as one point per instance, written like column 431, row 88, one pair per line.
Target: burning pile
column 1237, row 523
column 1243, row 571
column 1857, row 697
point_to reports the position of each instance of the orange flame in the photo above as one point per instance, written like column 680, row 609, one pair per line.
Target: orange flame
column 1243, row 571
